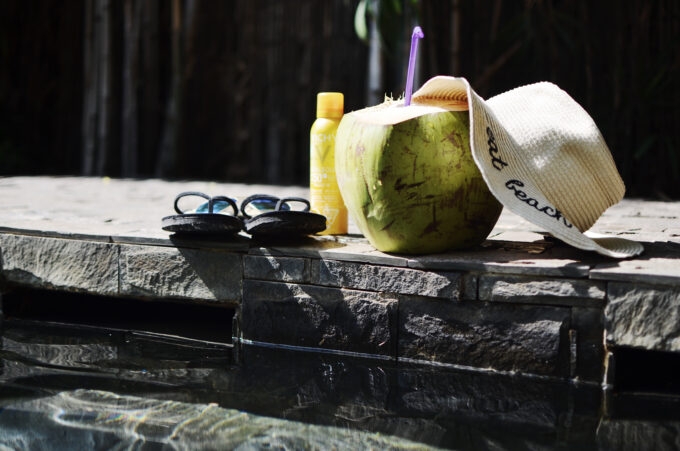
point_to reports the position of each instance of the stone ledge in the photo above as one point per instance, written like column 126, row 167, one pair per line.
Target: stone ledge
column 163, row 272
column 508, row 258
column 658, row 265
column 333, row 249
column 538, row 290
column 55, row 263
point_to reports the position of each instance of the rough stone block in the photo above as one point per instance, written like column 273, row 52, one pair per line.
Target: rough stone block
column 528, row 339
column 388, row 279
column 163, row 272
column 306, row 315
column 475, row 398
column 643, row 316
column 349, row 387
column 281, row 269
column 517, row 289
column 54, row 263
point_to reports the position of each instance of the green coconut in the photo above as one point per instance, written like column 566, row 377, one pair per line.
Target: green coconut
column 409, row 181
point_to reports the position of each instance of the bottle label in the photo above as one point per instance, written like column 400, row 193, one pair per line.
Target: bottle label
column 325, row 194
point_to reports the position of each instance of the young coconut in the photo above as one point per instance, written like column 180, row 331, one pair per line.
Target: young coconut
column 408, row 179
column 407, row 175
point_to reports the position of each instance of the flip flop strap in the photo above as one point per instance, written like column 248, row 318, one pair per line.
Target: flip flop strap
column 211, row 201
column 189, row 193
column 280, row 203
column 249, row 199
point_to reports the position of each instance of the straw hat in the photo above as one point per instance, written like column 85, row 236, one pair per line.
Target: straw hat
column 542, row 156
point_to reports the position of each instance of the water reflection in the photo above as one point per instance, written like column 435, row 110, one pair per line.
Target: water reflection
column 127, row 389
column 90, row 418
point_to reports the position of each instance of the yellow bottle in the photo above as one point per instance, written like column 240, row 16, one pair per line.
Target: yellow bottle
column 325, row 197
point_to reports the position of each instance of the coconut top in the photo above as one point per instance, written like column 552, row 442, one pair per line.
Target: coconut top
column 392, row 112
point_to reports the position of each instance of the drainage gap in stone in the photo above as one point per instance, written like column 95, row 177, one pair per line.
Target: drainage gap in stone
column 200, row 322
column 643, row 371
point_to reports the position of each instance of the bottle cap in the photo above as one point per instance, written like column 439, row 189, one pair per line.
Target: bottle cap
column 330, row 105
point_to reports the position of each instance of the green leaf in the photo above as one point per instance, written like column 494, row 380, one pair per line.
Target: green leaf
column 396, row 6
column 360, row 26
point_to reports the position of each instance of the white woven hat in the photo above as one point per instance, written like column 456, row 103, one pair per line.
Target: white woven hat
column 542, row 156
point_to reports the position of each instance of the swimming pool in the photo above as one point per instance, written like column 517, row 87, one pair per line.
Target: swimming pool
column 92, row 387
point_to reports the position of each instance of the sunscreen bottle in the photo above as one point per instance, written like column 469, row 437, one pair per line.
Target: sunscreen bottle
column 325, row 195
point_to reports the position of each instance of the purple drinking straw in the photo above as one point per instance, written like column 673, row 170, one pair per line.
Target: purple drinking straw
column 417, row 34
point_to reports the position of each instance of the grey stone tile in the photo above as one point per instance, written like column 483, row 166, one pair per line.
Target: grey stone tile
column 282, row 269
column 635, row 208
column 29, row 229
column 364, row 253
column 523, row 237
column 659, row 264
column 643, row 316
column 631, row 225
column 336, row 250
column 319, row 317
column 510, row 258
column 388, row 279
column 103, row 207
column 54, row 263
column 541, row 290
column 236, row 243
column 163, row 272
column 674, row 231
column 528, row 339
column 306, row 247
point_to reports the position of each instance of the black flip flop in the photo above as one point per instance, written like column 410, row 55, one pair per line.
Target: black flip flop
column 282, row 221
column 207, row 219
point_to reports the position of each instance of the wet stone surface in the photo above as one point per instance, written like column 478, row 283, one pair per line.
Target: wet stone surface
column 639, row 435
column 152, row 386
column 100, row 389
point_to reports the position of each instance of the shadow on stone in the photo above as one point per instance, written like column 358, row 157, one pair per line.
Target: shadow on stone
column 319, row 317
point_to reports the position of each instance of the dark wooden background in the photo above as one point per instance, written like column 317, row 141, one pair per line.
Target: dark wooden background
column 226, row 89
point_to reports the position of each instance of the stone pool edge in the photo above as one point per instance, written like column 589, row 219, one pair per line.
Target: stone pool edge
column 345, row 299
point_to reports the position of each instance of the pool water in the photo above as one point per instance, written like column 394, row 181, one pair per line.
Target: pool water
column 82, row 387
